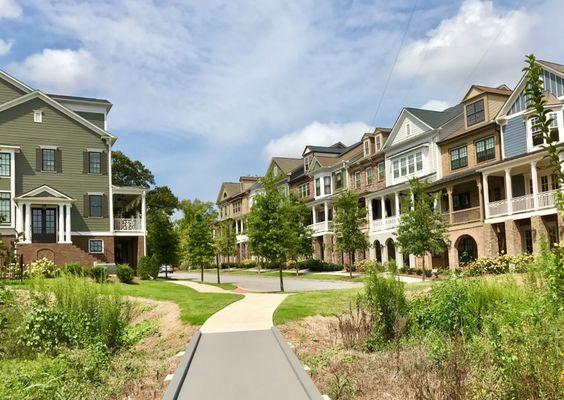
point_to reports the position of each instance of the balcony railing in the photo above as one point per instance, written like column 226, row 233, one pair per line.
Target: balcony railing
column 242, row 238
column 522, row 204
column 321, row 227
column 383, row 224
column 463, row 216
column 128, row 224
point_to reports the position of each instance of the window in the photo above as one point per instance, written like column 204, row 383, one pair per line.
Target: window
column 48, row 160
column 381, row 171
column 458, row 158
column 338, row 178
column 5, row 159
column 485, row 149
column 536, row 132
column 236, row 207
column 275, row 170
column 403, row 166
column 38, row 116
column 95, row 202
column 553, row 128
column 419, row 161
column 554, row 182
column 411, row 163
column 357, row 179
column 95, row 246
column 326, row 185
column 366, row 147
column 94, row 162
column 378, row 143
column 475, row 113
column 5, row 208
column 396, row 169
column 408, row 128
column 461, row 201
column 307, row 161
column 303, row 190
column 544, row 183
column 368, row 176
column 318, row 187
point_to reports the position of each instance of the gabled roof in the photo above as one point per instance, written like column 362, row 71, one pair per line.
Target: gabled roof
column 287, row 164
column 228, row 190
column 84, row 100
column 20, row 85
column 501, row 90
column 36, row 94
column 44, row 192
column 552, row 65
column 435, row 119
column 336, row 148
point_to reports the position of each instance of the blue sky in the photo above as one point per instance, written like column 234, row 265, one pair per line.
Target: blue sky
column 206, row 91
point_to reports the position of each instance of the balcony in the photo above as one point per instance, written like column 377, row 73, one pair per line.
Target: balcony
column 128, row 224
column 241, row 238
column 465, row 216
column 322, row 227
column 384, row 224
column 522, row 204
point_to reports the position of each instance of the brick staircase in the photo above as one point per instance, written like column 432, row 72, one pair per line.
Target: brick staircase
column 59, row 253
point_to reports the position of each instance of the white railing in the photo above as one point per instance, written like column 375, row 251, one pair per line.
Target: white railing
column 522, row 204
column 242, row 238
column 321, row 227
column 128, row 224
column 376, row 225
column 391, row 222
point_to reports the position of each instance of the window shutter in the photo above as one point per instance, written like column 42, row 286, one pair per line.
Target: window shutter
column 59, row 161
column 104, row 163
column 86, row 206
column 38, row 159
column 85, row 162
column 105, row 206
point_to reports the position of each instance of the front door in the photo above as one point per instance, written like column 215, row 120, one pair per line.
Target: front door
column 43, row 225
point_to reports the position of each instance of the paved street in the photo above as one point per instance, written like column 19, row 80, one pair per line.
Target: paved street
column 267, row 283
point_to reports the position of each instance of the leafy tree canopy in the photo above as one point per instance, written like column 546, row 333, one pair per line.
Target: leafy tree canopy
column 127, row 172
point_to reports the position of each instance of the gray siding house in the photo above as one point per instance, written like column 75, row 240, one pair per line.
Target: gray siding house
column 56, row 194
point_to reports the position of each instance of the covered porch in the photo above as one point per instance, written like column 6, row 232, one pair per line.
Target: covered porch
column 322, row 218
column 129, row 216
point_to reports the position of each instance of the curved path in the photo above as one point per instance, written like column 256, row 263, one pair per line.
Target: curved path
column 239, row 354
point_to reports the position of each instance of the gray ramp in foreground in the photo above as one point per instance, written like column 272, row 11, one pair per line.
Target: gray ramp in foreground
column 251, row 365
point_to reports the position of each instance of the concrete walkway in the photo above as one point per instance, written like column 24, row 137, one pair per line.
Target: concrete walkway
column 200, row 287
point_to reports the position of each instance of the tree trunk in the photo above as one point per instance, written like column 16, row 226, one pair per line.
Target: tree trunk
column 423, row 267
column 281, row 278
column 217, row 264
column 202, row 273
column 350, row 264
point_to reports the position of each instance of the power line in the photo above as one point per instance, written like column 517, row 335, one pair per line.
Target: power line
column 394, row 63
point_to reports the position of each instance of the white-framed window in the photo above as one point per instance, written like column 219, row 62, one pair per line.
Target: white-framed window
column 275, row 170
column 357, row 179
column 37, row 116
column 338, row 180
column 95, row 246
column 407, row 128
column 237, row 207
column 366, row 147
column 318, row 187
column 5, row 160
column 307, row 162
column 48, row 160
column 304, row 190
column 94, row 162
column 378, row 142
column 5, row 208
column 368, row 173
column 411, row 164
column 326, row 185
column 537, row 138
column 381, row 171
column 408, row 165
column 396, row 169
column 475, row 112
column 485, row 149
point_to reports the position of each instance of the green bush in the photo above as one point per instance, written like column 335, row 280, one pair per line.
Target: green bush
column 99, row 273
column 385, row 299
column 42, row 268
column 502, row 264
column 75, row 269
column 319, row 266
column 364, row 265
column 148, row 268
column 125, row 273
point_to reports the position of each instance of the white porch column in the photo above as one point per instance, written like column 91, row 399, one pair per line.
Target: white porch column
column 68, row 223
column 486, row 192
column 383, row 207
column 385, row 255
column 398, row 211
column 326, row 208
column 61, row 223
column 535, row 182
column 399, row 257
column 19, row 219
column 508, row 191
column 144, row 213
column 27, row 224
column 242, row 229
column 369, row 217
column 314, row 215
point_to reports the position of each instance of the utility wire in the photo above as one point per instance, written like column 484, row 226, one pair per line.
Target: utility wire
column 394, row 63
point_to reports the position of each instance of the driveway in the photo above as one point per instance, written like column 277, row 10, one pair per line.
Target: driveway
column 266, row 283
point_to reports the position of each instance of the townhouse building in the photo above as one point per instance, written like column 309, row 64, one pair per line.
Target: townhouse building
column 57, row 199
column 483, row 158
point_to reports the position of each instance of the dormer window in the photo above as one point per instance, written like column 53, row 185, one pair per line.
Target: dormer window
column 366, row 147
column 275, row 170
column 378, row 142
column 475, row 113
column 38, row 116
column 307, row 162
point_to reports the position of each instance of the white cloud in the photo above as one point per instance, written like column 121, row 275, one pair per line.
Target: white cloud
column 5, row 46
column 436, row 105
column 316, row 133
column 58, row 70
column 9, row 9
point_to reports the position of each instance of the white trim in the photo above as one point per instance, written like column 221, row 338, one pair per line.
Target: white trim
column 95, row 252
column 55, row 104
column 95, row 193
column 48, row 147
column 44, row 188
column 38, row 116
column 95, row 150
column 20, row 85
column 397, row 125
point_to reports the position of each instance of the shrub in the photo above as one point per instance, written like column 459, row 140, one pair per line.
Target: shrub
column 44, row 267
column 125, row 273
column 391, row 267
column 75, row 269
column 319, row 266
column 385, row 299
column 502, row 264
column 99, row 273
column 148, row 268
column 364, row 265
column 249, row 263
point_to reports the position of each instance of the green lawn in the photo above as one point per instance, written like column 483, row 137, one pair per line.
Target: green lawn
column 305, row 304
column 195, row 307
column 224, row 286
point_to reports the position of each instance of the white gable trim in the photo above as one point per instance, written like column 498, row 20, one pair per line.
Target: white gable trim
column 401, row 117
column 40, row 95
column 20, row 85
column 44, row 188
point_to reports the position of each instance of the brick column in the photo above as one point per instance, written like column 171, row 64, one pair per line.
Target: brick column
column 560, row 222
column 453, row 256
column 490, row 242
column 513, row 238
column 328, row 247
column 539, row 232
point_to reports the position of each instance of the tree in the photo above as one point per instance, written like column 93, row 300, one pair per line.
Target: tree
column 197, row 226
column 127, row 172
column 162, row 240
column 421, row 229
column 349, row 216
column 267, row 226
column 225, row 241
column 298, row 240
column 536, row 102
